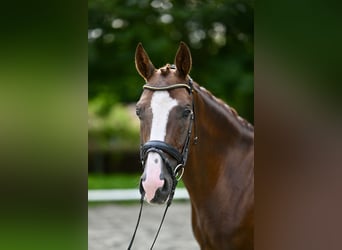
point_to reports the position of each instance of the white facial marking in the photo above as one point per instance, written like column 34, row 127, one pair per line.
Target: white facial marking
column 161, row 104
column 152, row 171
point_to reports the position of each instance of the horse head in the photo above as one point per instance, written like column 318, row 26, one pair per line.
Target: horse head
column 165, row 110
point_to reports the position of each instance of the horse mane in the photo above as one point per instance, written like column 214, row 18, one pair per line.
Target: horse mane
column 230, row 110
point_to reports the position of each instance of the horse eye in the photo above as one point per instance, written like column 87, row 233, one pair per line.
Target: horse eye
column 138, row 112
column 186, row 113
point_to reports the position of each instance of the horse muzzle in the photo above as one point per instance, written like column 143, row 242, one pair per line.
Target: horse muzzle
column 156, row 182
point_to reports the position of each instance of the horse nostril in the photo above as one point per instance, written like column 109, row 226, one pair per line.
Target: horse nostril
column 165, row 187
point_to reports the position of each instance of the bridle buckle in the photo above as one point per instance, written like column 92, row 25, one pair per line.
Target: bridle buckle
column 176, row 171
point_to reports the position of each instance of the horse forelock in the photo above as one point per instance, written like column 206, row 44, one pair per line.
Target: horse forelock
column 165, row 76
column 165, row 70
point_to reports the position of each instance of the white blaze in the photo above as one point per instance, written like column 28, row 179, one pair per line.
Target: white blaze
column 152, row 173
column 161, row 104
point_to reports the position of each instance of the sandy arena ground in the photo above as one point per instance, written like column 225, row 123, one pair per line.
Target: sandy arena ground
column 111, row 226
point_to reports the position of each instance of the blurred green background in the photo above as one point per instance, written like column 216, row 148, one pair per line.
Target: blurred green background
column 219, row 34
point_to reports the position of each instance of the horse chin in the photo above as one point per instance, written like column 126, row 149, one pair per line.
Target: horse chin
column 158, row 201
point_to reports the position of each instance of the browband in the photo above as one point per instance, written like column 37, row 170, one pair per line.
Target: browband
column 173, row 86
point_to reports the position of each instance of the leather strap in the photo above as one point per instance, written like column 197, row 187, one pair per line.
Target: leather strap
column 167, row 148
column 174, row 86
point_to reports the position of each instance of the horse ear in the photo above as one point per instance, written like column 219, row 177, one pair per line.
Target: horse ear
column 143, row 63
column 183, row 59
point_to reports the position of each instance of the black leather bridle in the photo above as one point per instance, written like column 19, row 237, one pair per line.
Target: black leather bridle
column 161, row 148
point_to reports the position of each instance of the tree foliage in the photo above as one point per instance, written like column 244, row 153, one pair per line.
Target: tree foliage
column 219, row 34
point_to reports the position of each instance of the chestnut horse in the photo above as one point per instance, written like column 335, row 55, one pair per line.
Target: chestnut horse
column 182, row 124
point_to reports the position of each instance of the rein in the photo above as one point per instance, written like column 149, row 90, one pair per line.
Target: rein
column 161, row 148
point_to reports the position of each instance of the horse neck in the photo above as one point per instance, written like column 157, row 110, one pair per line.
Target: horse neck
column 223, row 137
column 218, row 123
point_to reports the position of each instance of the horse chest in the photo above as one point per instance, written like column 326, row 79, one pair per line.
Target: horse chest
column 213, row 237
column 222, row 227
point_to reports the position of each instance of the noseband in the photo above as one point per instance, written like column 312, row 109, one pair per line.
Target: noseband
column 163, row 148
